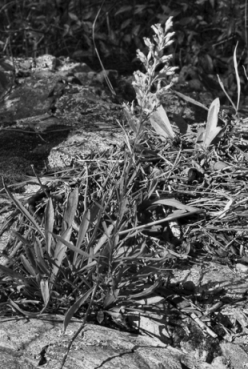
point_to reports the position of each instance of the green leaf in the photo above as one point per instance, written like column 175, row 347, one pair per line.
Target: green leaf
column 211, row 127
column 146, row 291
column 110, row 298
column 226, row 93
column 82, row 299
column 23, row 312
column 82, row 232
column 104, row 237
column 189, row 99
column 153, row 300
column 60, row 250
column 21, row 238
column 23, row 210
column 123, row 9
column 29, row 268
column 70, row 210
column 237, row 77
column 176, row 204
column 13, row 274
column 45, row 292
column 161, row 123
column 49, row 223
column 71, row 246
column 40, row 258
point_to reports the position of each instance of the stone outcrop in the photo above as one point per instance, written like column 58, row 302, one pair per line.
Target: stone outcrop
column 40, row 343
column 52, row 110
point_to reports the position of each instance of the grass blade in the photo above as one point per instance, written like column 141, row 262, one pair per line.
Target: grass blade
column 225, row 92
column 104, row 237
column 189, row 99
column 23, row 210
column 76, row 306
column 176, row 204
column 40, row 259
column 237, row 77
column 82, row 232
column 60, row 250
column 14, row 275
column 70, row 210
column 49, row 223
column 71, row 246
column 29, row 268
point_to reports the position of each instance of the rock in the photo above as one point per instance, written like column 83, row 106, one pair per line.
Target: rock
column 235, row 355
column 37, row 342
column 50, row 98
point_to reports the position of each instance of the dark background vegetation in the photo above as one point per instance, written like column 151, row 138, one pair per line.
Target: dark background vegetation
column 206, row 32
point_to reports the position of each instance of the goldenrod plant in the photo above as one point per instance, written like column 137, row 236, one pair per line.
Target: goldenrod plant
column 149, row 86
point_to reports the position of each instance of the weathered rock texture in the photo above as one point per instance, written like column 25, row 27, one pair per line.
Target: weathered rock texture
column 184, row 336
column 40, row 343
column 46, row 102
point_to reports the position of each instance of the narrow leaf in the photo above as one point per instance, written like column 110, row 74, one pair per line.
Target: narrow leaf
column 154, row 300
column 82, row 299
column 13, row 274
column 49, row 222
column 189, row 99
column 130, row 119
column 104, row 237
column 82, row 232
column 176, row 204
column 70, row 210
column 28, row 266
column 23, row 312
column 224, row 90
column 21, row 238
column 41, row 263
column 147, row 291
column 60, row 250
column 237, row 77
column 71, row 246
column 23, row 210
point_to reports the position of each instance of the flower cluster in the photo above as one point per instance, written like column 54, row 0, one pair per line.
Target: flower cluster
column 145, row 83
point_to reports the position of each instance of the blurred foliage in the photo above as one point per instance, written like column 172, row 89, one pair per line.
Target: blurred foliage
column 206, row 32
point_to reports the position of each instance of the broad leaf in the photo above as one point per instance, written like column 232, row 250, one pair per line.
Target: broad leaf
column 45, row 292
column 211, row 127
column 161, row 123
